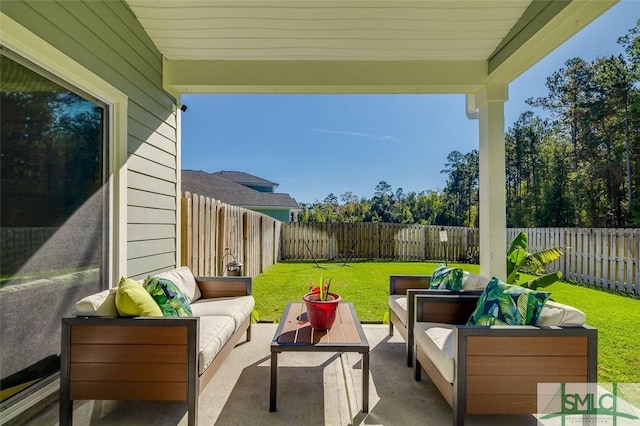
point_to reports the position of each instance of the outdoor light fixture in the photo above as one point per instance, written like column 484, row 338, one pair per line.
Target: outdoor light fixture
column 234, row 268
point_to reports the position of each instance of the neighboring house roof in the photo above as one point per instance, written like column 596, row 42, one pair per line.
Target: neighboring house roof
column 245, row 178
column 214, row 186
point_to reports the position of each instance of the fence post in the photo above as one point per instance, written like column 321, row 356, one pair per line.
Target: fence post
column 222, row 225
column 207, row 237
column 185, row 229
column 194, row 233
column 246, row 259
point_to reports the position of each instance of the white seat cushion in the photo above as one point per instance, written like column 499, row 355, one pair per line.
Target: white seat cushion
column 102, row 304
column 238, row 308
column 184, row 279
column 214, row 333
column 554, row 313
column 398, row 304
column 436, row 340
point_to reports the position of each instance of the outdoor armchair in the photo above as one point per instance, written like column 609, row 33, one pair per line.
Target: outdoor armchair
column 402, row 292
column 496, row 369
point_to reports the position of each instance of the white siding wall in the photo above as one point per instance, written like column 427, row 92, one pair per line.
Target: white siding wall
column 106, row 38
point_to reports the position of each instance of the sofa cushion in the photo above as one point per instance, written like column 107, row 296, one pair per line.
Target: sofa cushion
column 398, row 304
column 238, row 308
column 445, row 278
column 504, row 304
column 101, row 304
column 214, row 333
column 554, row 313
column 132, row 300
column 472, row 281
column 437, row 341
column 184, row 279
column 168, row 296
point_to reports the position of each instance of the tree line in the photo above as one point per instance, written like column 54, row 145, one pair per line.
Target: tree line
column 576, row 166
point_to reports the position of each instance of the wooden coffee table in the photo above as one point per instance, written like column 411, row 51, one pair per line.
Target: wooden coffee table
column 295, row 334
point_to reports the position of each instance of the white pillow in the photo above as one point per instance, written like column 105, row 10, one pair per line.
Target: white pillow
column 473, row 281
column 101, row 304
column 184, row 279
column 554, row 313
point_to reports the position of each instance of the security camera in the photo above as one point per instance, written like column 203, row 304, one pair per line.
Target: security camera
column 182, row 107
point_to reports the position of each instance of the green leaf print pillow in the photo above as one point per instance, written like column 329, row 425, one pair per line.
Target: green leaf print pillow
column 168, row 296
column 444, row 278
column 504, row 304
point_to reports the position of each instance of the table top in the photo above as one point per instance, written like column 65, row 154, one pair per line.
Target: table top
column 294, row 332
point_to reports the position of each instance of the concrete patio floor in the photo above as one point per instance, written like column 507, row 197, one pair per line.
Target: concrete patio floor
column 313, row 389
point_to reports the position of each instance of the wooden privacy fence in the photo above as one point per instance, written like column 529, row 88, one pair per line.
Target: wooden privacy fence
column 376, row 241
column 607, row 258
column 213, row 231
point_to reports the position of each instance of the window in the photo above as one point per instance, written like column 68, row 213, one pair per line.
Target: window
column 53, row 215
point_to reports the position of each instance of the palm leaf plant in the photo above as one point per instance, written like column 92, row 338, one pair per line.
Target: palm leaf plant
column 519, row 259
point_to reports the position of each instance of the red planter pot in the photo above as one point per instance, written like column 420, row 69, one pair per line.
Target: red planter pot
column 321, row 313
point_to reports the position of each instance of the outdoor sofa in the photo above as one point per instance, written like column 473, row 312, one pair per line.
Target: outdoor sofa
column 496, row 369
column 402, row 291
column 105, row 356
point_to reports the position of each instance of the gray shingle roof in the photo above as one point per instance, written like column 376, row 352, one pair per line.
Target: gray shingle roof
column 214, row 186
column 245, row 178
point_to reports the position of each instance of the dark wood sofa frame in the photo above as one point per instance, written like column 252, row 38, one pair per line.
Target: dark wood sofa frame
column 497, row 369
column 413, row 285
column 142, row 358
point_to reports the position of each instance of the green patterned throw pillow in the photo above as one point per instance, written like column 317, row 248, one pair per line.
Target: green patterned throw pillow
column 168, row 296
column 444, row 278
column 504, row 304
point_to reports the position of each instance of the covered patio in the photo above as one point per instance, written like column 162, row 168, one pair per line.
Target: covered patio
column 138, row 57
column 314, row 389
column 470, row 48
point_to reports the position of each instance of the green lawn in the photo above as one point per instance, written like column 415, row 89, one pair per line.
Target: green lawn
column 367, row 286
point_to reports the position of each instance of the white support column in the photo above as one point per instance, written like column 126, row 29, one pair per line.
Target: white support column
column 493, row 218
column 178, row 113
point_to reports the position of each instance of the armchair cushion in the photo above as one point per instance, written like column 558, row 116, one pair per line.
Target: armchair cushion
column 504, row 304
column 471, row 281
column 445, row 278
column 398, row 304
column 554, row 313
column 437, row 341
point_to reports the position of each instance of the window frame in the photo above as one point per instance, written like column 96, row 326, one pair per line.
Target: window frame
column 106, row 171
column 67, row 72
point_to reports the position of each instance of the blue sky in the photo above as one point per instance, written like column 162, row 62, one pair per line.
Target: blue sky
column 313, row 145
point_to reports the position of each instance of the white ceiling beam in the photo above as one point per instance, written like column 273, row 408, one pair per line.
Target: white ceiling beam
column 324, row 76
column 546, row 29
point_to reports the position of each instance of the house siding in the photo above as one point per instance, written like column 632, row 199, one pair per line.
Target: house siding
column 106, row 38
column 281, row 215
